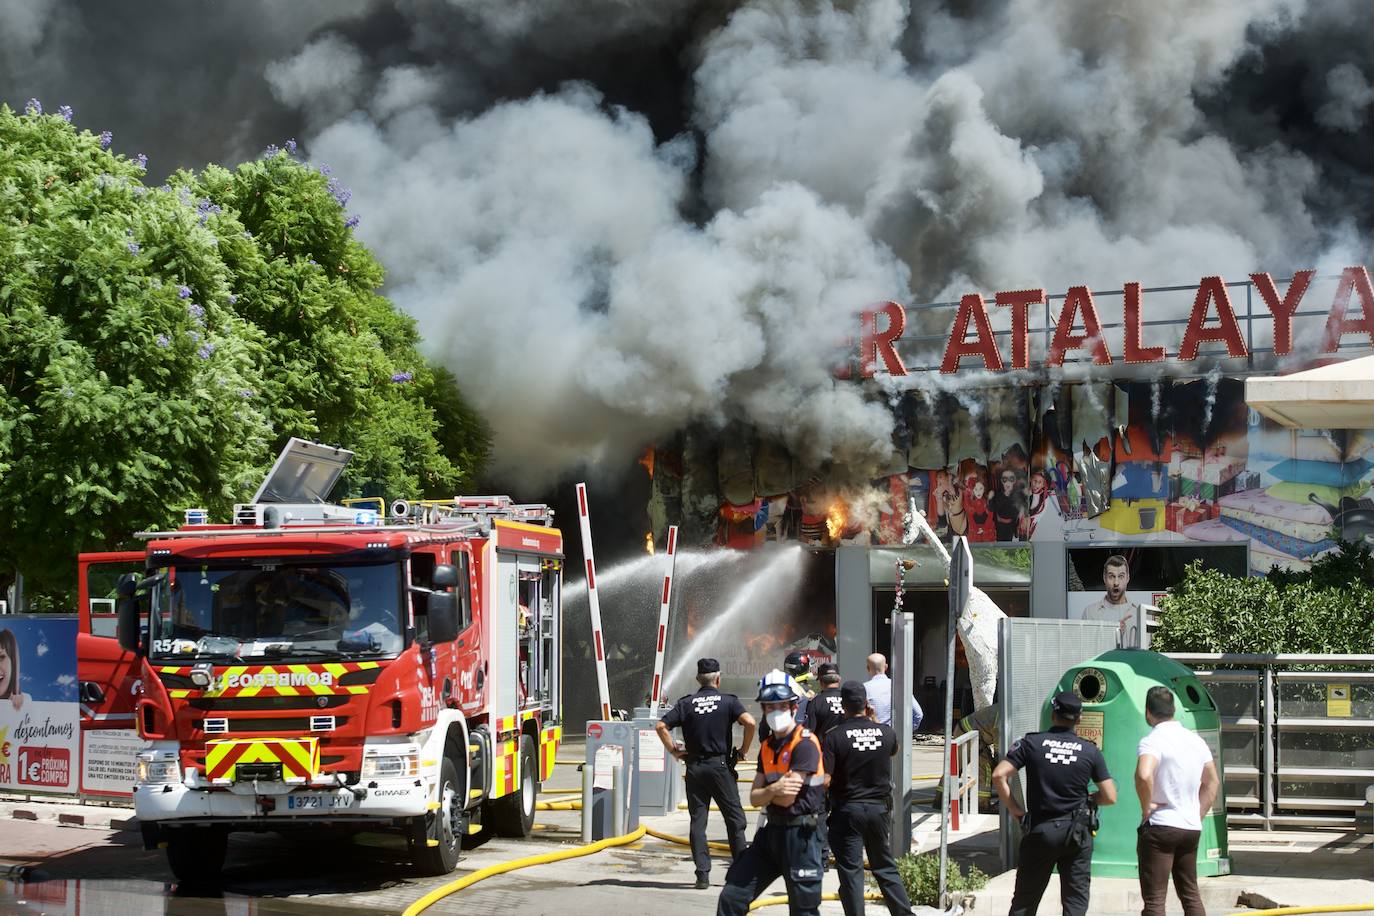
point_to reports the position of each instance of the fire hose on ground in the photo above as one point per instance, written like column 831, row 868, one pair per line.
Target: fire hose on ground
column 781, row 899
column 1316, row 908
column 439, row 893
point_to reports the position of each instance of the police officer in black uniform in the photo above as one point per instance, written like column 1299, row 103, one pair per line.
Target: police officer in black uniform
column 824, row 711
column 1059, row 818
column 707, row 720
column 858, row 763
column 790, row 787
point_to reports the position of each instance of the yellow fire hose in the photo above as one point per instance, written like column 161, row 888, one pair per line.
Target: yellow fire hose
column 683, row 841
column 781, row 900
column 1319, row 908
column 439, row 893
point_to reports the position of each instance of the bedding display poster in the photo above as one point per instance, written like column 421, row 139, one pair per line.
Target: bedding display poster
column 39, row 714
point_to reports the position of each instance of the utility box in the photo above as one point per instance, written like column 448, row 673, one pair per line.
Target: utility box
column 659, row 773
column 612, row 745
column 1112, row 687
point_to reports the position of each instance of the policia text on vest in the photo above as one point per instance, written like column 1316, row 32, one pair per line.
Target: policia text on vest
column 790, row 786
column 707, row 719
column 1060, row 814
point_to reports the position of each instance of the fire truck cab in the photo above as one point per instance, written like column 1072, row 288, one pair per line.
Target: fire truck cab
column 310, row 665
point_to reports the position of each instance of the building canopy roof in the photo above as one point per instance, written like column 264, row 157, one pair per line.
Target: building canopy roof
column 1338, row 396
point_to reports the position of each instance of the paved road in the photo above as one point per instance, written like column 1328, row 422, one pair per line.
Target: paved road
column 103, row 871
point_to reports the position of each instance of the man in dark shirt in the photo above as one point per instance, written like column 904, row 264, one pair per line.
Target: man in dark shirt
column 1055, row 823
column 707, row 719
column 790, row 786
column 858, row 763
column 824, row 711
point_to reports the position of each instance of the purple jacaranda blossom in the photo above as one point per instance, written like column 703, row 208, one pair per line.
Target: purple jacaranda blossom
column 33, row 107
column 183, row 292
column 65, row 113
column 139, row 190
column 245, row 393
column 290, row 146
column 341, row 194
column 164, row 341
column 351, row 222
column 248, row 235
column 194, row 336
column 195, row 311
column 271, row 151
column 142, row 161
column 233, row 300
column 400, row 378
column 68, row 393
column 326, row 170
column 133, row 247
column 206, row 350
column 106, row 138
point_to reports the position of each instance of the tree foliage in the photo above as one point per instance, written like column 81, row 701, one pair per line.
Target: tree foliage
column 158, row 345
column 1329, row 609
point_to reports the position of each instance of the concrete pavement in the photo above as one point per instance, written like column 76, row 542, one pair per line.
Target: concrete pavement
column 93, row 861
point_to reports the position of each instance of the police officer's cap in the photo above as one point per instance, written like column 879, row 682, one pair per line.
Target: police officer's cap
column 853, row 695
column 827, row 669
column 1067, row 705
column 707, row 666
column 777, row 687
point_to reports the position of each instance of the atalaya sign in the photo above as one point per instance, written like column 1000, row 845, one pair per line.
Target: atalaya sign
column 972, row 342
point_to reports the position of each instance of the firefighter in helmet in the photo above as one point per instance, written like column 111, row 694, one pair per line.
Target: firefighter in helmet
column 798, row 664
column 790, row 788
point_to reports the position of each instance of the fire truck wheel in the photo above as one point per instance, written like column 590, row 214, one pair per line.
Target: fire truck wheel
column 196, row 854
column 445, row 825
column 513, row 815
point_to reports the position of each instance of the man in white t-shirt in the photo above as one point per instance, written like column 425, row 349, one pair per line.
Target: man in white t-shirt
column 1176, row 780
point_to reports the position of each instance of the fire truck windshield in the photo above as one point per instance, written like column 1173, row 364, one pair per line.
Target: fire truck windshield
column 277, row 610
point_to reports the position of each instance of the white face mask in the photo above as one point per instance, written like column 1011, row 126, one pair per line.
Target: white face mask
column 780, row 721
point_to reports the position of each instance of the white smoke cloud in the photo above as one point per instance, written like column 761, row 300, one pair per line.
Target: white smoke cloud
column 550, row 266
column 24, row 24
column 1351, row 96
column 322, row 79
column 614, row 218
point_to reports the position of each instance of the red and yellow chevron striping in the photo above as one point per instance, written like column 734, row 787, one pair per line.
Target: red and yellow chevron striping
column 299, row 757
column 275, row 680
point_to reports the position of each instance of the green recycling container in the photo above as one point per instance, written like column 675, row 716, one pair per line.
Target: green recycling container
column 1112, row 687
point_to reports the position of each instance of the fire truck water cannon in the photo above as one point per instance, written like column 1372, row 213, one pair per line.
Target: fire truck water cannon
column 338, row 666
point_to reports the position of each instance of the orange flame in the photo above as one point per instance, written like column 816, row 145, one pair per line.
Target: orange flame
column 836, row 519
column 648, row 542
column 646, row 461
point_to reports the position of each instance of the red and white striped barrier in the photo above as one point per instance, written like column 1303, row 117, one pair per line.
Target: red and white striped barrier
column 593, row 602
column 666, row 596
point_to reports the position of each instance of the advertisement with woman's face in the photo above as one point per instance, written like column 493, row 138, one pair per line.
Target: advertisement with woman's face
column 39, row 730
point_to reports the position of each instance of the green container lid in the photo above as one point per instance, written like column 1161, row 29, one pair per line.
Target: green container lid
column 1112, row 687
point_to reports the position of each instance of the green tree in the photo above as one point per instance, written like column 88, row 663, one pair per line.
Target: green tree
column 127, row 381
column 344, row 365
column 158, row 346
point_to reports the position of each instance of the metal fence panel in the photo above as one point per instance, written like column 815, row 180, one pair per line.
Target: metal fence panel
column 1298, row 745
column 1033, row 654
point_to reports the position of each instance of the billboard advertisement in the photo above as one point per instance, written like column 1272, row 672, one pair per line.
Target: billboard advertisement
column 39, row 713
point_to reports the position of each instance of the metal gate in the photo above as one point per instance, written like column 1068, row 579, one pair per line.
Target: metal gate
column 1297, row 743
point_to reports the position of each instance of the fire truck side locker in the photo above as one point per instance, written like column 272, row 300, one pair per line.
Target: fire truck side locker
column 610, row 745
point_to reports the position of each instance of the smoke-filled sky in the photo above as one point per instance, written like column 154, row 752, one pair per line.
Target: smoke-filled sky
column 615, row 217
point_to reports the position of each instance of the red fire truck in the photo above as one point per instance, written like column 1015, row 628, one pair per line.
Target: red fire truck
column 353, row 666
